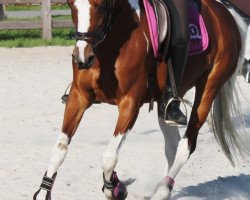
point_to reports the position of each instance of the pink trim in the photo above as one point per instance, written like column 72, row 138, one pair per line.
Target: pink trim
column 197, row 44
column 153, row 27
column 168, row 180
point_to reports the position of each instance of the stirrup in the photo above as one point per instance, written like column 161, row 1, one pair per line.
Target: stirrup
column 170, row 122
column 247, row 79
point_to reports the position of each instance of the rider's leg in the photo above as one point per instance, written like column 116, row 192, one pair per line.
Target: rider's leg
column 178, row 54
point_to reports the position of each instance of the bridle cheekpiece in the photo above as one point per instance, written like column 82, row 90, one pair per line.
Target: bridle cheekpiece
column 100, row 33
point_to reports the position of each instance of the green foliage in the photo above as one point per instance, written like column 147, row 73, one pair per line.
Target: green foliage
column 38, row 18
column 32, row 38
column 34, row 7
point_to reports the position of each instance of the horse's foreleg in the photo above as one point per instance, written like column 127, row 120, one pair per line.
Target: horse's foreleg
column 113, row 188
column 75, row 108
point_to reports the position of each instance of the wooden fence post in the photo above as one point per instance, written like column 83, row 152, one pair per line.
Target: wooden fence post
column 46, row 20
column 2, row 12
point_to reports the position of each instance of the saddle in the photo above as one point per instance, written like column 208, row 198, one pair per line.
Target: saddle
column 159, row 27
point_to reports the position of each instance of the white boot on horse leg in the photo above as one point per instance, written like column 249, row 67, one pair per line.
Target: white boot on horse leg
column 113, row 188
column 58, row 154
column 164, row 188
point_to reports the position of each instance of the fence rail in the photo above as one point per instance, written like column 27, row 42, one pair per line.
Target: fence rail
column 46, row 23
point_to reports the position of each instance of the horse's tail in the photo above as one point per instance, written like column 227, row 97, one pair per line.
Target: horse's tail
column 226, row 111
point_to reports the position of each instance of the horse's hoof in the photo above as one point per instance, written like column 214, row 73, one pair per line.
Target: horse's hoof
column 45, row 187
column 117, row 188
column 120, row 192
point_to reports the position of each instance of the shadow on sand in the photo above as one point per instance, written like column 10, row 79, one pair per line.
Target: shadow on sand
column 231, row 187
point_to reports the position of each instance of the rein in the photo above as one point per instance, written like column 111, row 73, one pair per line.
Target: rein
column 99, row 34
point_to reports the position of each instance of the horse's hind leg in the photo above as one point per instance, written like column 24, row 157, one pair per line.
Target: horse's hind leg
column 206, row 91
column 171, row 138
column 76, row 105
column 128, row 112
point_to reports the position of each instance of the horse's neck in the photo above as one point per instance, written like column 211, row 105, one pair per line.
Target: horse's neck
column 126, row 20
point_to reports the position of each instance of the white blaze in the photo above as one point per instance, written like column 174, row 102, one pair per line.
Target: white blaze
column 83, row 8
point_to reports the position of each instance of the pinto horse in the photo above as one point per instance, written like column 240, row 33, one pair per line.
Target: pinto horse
column 243, row 22
column 113, row 43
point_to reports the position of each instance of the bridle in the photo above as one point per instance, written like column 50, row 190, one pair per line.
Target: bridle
column 100, row 33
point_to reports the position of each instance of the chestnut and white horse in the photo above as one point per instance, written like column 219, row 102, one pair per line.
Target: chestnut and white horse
column 243, row 22
column 114, row 48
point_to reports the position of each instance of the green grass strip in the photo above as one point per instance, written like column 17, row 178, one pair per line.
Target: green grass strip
column 32, row 38
column 34, row 7
column 38, row 18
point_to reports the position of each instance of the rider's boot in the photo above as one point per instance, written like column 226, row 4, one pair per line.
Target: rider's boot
column 172, row 113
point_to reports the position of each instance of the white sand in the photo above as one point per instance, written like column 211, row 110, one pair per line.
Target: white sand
column 32, row 83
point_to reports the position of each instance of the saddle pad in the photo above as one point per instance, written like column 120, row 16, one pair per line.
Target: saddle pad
column 199, row 40
column 153, row 25
column 198, row 34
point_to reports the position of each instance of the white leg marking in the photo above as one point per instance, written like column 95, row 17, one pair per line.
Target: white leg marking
column 182, row 155
column 110, row 158
column 172, row 137
column 58, row 154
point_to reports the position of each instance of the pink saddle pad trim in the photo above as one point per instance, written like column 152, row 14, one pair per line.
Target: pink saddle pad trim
column 153, row 27
column 199, row 39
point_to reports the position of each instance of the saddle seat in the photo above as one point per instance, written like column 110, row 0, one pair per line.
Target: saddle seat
column 159, row 27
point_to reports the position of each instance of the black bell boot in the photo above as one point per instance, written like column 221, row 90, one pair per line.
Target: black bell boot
column 47, row 184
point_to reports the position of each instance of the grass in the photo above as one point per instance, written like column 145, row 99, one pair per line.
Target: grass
column 32, row 38
column 34, row 7
column 38, row 18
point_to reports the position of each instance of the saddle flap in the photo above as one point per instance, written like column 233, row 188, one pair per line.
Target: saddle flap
column 163, row 16
column 158, row 20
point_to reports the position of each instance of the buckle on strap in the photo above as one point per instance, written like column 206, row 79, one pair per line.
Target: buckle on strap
column 109, row 185
column 47, row 182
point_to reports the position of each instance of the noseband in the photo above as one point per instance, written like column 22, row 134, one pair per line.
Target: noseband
column 99, row 34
